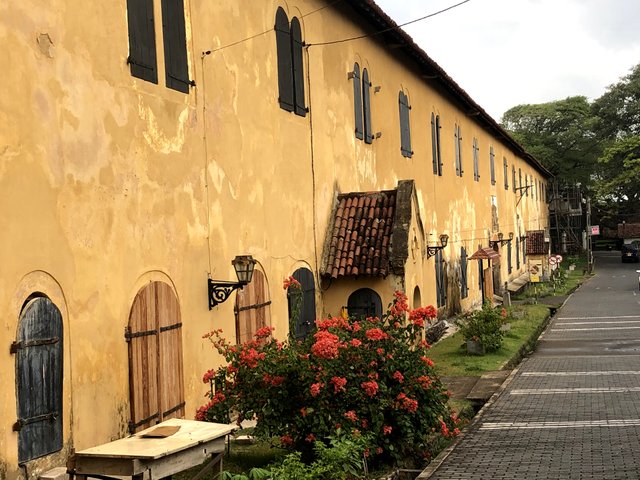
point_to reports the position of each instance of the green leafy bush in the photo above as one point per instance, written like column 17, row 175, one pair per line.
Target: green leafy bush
column 371, row 377
column 484, row 326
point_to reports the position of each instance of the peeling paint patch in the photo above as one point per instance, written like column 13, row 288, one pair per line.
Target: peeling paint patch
column 155, row 137
column 45, row 44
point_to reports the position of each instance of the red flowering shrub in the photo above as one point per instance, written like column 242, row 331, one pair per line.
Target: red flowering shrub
column 371, row 377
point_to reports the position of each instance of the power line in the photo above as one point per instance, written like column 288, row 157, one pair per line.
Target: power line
column 333, row 42
column 209, row 52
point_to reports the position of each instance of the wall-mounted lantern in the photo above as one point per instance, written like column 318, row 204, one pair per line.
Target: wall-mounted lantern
column 219, row 290
column 501, row 240
column 432, row 250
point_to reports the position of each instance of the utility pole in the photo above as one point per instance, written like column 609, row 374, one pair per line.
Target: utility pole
column 589, row 249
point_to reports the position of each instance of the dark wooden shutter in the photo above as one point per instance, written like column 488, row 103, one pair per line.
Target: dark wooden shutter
column 513, row 177
column 492, row 166
column 298, row 67
column 509, row 267
column 307, row 318
column 366, row 105
column 285, row 61
column 405, row 131
column 175, row 45
column 142, row 40
column 434, row 146
column 154, row 334
column 517, row 253
column 457, row 149
column 464, row 288
column 438, row 145
column 357, row 102
column 364, row 303
column 252, row 308
column 476, row 165
column 39, row 367
column 441, row 291
column 506, row 173
column 520, row 179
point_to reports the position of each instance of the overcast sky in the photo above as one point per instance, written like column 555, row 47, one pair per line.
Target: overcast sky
column 511, row 52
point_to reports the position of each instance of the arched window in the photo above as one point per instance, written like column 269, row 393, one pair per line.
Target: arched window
column 302, row 305
column 417, row 300
column 39, row 363
column 364, row 303
column 253, row 308
column 154, row 335
column 290, row 63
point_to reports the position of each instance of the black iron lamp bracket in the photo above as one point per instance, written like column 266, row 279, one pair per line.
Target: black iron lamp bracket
column 219, row 291
column 433, row 250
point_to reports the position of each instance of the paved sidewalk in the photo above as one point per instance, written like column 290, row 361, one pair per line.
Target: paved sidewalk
column 572, row 410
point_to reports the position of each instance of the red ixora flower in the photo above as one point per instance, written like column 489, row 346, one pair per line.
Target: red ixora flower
column 263, row 332
column 407, row 403
column 370, row 387
column 338, row 384
column 208, row 376
column 387, row 429
column 398, row 376
column 251, row 357
column 310, row 438
column 326, row 345
column 286, row 440
column 291, row 283
column 376, row 334
column 315, row 389
column 334, row 322
column 351, row 415
column 400, row 305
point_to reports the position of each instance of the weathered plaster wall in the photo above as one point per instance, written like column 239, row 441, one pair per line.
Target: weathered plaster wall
column 108, row 182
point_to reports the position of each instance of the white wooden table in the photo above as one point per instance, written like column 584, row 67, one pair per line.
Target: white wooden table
column 141, row 457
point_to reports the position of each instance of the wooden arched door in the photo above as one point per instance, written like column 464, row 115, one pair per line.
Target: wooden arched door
column 39, row 364
column 253, row 308
column 154, row 335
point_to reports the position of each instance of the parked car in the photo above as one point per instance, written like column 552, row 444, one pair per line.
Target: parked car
column 629, row 253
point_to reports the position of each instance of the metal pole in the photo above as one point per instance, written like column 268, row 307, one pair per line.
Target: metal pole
column 589, row 250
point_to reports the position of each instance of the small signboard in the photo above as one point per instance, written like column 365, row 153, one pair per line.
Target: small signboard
column 595, row 229
column 535, row 270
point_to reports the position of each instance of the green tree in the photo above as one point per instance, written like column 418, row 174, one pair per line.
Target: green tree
column 559, row 134
column 617, row 177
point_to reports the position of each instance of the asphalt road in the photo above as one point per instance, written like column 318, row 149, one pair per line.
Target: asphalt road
column 572, row 409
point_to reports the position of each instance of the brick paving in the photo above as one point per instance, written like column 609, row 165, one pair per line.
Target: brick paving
column 572, row 410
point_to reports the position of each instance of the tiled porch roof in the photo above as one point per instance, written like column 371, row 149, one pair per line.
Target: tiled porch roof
column 361, row 235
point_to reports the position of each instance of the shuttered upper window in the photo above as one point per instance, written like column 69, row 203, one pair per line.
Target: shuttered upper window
column 405, row 127
column 513, row 178
column 142, row 40
column 492, row 166
column 506, row 173
column 457, row 137
column 362, row 104
column 142, row 43
column 290, row 64
column 476, row 166
column 175, row 45
column 435, row 144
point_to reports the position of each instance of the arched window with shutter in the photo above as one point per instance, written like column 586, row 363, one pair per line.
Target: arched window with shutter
column 366, row 106
column 252, row 308
column 39, row 377
column 303, row 306
column 154, row 335
column 364, row 303
column 405, row 128
column 464, row 286
column 357, row 102
column 285, row 61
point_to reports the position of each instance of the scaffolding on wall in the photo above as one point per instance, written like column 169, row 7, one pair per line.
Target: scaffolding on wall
column 567, row 212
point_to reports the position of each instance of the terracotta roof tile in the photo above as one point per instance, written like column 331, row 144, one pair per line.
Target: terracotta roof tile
column 535, row 242
column 361, row 234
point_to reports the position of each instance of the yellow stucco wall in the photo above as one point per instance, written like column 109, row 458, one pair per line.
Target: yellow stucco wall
column 108, row 182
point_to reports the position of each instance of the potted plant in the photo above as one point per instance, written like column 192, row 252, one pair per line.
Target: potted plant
column 482, row 329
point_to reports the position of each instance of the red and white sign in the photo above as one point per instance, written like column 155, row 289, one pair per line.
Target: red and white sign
column 595, row 229
column 552, row 260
